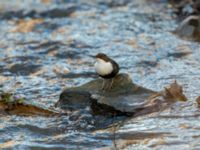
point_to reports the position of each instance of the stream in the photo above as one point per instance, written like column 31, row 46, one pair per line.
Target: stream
column 48, row 45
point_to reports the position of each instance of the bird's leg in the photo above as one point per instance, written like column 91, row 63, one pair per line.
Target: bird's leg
column 103, row 85
column 107, row 84
column 111, row 83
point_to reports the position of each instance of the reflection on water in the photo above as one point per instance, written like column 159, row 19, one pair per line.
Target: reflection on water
column 47, row 56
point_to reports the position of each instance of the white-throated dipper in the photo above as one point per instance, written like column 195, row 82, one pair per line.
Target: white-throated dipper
column 106, row 68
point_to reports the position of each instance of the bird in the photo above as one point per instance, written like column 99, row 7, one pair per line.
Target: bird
column 106, row 68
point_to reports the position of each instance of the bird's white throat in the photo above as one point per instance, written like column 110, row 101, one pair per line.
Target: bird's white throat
column 102, row 67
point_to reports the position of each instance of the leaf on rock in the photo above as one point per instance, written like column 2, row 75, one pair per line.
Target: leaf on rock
column 175, row 92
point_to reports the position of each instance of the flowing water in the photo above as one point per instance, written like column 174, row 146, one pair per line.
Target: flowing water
column 42, row 52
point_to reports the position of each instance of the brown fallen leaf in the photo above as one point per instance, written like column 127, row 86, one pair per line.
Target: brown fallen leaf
column 175, row 92
column 26, row 26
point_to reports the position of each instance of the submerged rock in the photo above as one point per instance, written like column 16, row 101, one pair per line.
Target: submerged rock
column 73, row 100
column 125, row 98
column 51, row 13
column 22, row 109
column 15, row 105
column 190, row 28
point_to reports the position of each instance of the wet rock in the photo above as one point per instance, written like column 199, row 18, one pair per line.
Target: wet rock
column 142, row 101
column 73, row 100
column 15, row 105
column 24, row 68
column 162, row 100
column 190, row 28
column 106, row 110
column 125, row 98
column 58, row 13
column 114, row 101
column 21, row 109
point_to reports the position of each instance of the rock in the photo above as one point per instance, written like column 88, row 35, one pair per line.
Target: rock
column 190, row 28
column 15, row 105
column 125, row 95
column 58, row 13
column 24, row 68
column 106, row 110
column 124, row 99
column 73, row 100
column 122, row 84
column 22, row 109
column 162, row 100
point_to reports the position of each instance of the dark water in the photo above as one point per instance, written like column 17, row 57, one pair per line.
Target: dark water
column 39, row 61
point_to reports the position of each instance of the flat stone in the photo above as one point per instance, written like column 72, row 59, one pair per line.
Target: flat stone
column 72, row 100
column 123, row 99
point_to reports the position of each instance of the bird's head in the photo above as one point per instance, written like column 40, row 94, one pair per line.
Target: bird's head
column 102, row 56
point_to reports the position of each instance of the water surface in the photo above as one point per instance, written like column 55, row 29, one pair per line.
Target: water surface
column 55, row 51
